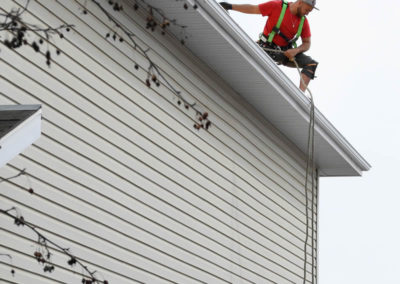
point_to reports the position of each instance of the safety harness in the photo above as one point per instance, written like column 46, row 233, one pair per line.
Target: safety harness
column 276, row 30
column 276, row 52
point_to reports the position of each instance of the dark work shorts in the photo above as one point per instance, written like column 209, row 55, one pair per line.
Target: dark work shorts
column 305, row 62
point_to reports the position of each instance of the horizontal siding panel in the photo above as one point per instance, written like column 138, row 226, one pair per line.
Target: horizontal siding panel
column 100, row 115
column 117, row 157
column 85, row 229
column 223, row 101
column 191, row 88
column 128, row 208
column 24, row 245
column 115, row 55
column 119, row 143
column 23, row 275
column 245, row 146
column 94, row 238
column 183, row 237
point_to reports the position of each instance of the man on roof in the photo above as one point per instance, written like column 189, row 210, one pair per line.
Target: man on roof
column 286, row 23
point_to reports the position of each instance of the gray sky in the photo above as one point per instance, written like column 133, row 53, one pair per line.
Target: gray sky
column 357, row 89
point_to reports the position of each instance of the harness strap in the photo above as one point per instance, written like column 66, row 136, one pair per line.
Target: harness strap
column 299, row 30
column 278, row 24
column 276, row 29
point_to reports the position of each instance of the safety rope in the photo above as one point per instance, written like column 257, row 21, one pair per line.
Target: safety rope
column 310, row 166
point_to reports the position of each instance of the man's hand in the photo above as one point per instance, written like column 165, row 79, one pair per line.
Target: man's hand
column 226, row 5
column 291, row 53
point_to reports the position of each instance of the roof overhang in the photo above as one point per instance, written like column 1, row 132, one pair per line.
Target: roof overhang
column 20, row 126
column 221, row 44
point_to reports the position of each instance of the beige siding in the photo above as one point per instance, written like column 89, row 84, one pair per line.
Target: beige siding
column 122, row 177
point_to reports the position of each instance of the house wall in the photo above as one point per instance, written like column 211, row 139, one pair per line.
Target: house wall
column 123, row 179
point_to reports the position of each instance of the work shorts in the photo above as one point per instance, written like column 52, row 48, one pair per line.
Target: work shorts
column 305, row 62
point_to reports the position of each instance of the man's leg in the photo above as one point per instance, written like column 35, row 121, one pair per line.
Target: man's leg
column 309, row 66
column 304, row 81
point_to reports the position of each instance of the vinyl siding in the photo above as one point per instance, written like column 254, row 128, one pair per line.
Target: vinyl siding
column 122, row 177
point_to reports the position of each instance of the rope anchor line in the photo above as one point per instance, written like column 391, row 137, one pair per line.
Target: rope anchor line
column 309, row 167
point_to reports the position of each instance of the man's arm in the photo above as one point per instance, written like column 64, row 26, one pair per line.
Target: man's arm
column 244, row 8
column 305, row 45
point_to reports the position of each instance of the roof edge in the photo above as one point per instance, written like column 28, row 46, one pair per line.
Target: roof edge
column 23, row 134
column 221, row 21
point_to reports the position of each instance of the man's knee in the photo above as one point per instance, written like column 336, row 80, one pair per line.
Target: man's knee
column 310, row 68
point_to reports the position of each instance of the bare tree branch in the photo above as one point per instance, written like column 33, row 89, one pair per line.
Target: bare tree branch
column 44, row 256
column 153, row 71
column 16, row 31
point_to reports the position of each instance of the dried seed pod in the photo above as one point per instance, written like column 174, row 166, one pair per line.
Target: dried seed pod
column 35, row 46
column 20, row 35
column 48, row 268
column 72, row 261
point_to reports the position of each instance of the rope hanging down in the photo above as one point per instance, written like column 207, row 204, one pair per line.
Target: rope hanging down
column 309, row 167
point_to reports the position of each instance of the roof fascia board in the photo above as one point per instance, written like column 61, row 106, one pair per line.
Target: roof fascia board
column 23, row 135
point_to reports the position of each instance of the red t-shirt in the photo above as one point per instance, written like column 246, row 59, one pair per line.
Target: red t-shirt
column 289, row 25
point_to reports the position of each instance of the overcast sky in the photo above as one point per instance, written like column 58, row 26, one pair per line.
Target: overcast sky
column 357, row 44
